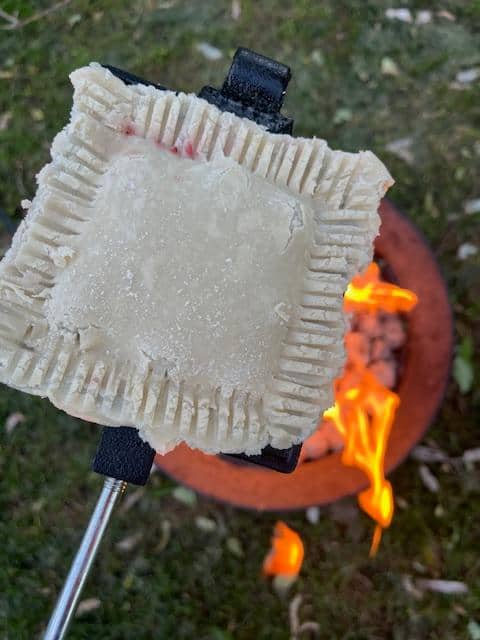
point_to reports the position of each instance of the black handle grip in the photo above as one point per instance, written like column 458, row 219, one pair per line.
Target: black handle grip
column 123, row 455
column 254, row 88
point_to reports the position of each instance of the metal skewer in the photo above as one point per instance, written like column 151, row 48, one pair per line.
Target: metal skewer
column 68, row 599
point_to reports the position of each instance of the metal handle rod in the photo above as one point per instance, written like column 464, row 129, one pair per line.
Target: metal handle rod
column 68, row 599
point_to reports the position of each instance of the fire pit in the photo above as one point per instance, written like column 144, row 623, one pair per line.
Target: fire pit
column 425, row 372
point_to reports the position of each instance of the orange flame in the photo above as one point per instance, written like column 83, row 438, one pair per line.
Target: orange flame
column 366, row 292
column 285, row 558
column 364, row 409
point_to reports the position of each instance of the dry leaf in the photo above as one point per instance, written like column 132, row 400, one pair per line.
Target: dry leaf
column 313, row 514
column 166, row 532
column 448, row 587
column 74, row 19
column 389, row 67
column 429, row 480
column 421, row 453
column 410, row 588
column 472, row 206
column 402, row 148
column 467, row 76
column 447, row 15
column 205, row 524
column 402, row 14
column 37, row 115
column 235, row 547
column 471, row 455
column 297, row 629
column 423, row 17
column 185, row 496
column 87, row 605
column 466, row 250
column 130, row 542
column 13, row 420
column 473, row 629
column 236, row 10
column 38, row 505
column 5, row 120
column 208, row 51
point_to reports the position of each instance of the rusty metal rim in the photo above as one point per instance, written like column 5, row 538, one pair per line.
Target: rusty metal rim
column 427, row 368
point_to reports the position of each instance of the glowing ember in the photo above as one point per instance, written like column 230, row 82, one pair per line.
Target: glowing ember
column 365, row 407
column 285, row 558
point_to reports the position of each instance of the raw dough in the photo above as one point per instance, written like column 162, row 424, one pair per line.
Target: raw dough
column 182, row 271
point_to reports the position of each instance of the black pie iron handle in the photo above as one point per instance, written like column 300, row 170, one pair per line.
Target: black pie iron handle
column 254, row 88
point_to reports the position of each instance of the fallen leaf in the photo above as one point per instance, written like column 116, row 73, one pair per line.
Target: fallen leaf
column 467, row 76
column 423, row 17
column 37, row 115
column 205, row 524
column 421, row 453
column 38, row 505
column 87, row 605
column 74, row 19
column 208, row 51
column 298, row 629
column 342, row 115
column 389, row 67
column 236, row 10
column 13, row 420
column 447, row 15
column 472, row 206
column 317, row 57
column 463, row 373
column 419, row 567
column 402, row 14
column 439, row 511
column 5, row 120
column 466, row 250
column 409, row 586
column 185, row 496
column 473, row 629
column 402, row 148
column 471, row 455
column 130, row 542
column 428, row 479
column 313, row 514
column 166, row 533
column 448, row 587
column 235, row 547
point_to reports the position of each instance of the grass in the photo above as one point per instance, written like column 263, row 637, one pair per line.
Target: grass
column 191, row 585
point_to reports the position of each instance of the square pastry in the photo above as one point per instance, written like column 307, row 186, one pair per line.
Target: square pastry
column 182, row 270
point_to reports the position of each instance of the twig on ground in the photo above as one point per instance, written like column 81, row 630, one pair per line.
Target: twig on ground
column 15, row 23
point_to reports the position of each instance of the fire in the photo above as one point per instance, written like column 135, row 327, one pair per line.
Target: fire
column 285, row 558
column 367, row 292
column 364, row 408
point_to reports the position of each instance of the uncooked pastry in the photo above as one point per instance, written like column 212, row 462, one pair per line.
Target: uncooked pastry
column 181, row 270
